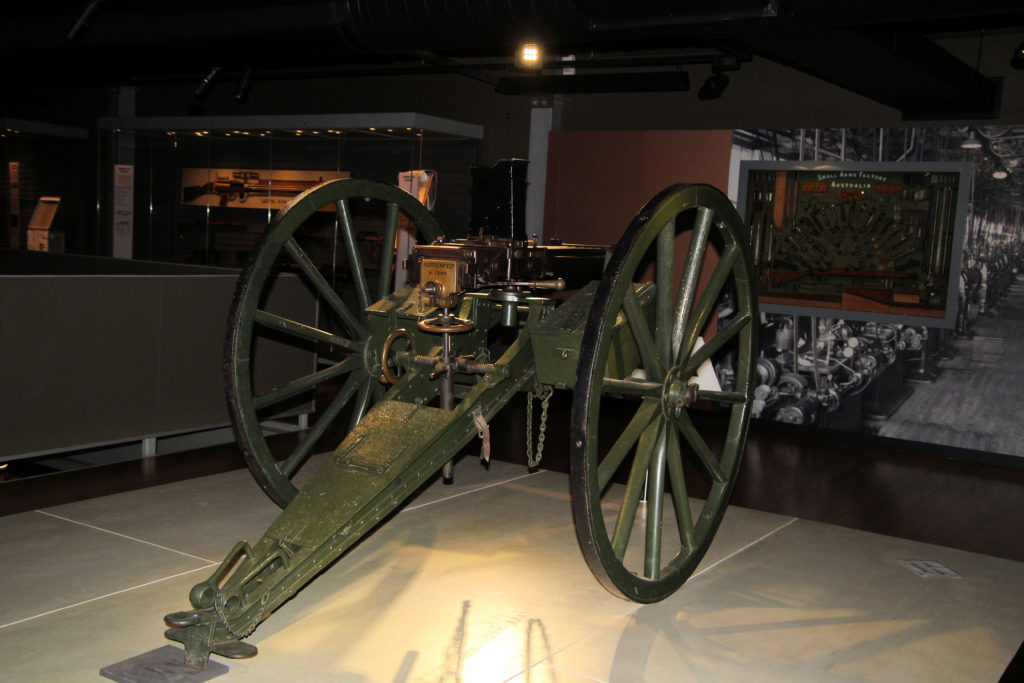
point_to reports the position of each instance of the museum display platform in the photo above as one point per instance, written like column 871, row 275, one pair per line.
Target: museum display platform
column 484, row 581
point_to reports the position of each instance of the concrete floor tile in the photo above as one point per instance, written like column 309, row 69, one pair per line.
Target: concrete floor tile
column 208, row 515
column 815, row 602
column 49, row 563
column 489, row 585
column 74, row 644
column 203, row 516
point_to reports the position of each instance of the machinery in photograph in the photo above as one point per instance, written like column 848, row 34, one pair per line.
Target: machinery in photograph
column 831, row 372
column 656, row 338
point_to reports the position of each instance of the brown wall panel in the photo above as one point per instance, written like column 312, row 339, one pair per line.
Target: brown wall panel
column 598, row 180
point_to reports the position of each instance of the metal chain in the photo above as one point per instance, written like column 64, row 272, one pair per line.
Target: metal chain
column 544, row 394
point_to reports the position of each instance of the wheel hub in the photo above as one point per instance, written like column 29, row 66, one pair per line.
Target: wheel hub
column 677, row 393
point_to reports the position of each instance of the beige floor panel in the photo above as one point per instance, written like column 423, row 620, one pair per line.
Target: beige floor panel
column 73, row 644
column 484, row 582
column 49, row 563
column 203, row 517
column 814, row 602
column 207, row 516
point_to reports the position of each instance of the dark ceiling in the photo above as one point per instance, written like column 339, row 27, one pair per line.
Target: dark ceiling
column 884, row 50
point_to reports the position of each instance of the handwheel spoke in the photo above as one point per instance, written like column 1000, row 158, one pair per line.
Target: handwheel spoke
column 680, row 497
column 621, row 448
column 290, row 466
column 708, row 300
column 691, row 275
column 387, row 251
column 302, row 384
column 655, row 506
column 720, row 339
column 348, row 238
column 324, row 288
column 663, row 276
column 303, row 331
column 642, row 336
column 700, row 447
column 635, row 486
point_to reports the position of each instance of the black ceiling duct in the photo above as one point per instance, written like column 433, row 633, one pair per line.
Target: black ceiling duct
column 659, row 81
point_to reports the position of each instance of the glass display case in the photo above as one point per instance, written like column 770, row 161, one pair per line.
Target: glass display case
column 204, row 189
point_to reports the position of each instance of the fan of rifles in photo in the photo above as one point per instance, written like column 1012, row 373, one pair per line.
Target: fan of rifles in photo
column 656, row 338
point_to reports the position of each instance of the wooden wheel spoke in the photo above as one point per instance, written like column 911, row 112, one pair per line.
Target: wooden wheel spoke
column 387, row 252
column 655, row 506
column 622, row 446
column 631, row 387
column 362, row 403
column 663, row 303
column 324, row 288
column 708, row 300
column 290, row 466
column 355, row 264
column 700, row 448
column 720, row 339
column 302, row 384
column 680, row 497
column 634, row 489
column 653, row 366
column 303, row 331
column 691, row 275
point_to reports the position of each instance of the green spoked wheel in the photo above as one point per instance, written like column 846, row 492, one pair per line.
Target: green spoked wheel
column 300, row 303
column 663, row 393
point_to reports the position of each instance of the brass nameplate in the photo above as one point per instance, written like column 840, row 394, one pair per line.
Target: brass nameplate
column 442, row 271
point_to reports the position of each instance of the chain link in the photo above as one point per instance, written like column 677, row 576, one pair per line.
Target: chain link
column 544, row 394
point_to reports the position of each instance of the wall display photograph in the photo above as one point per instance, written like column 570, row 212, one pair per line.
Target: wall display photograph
column 888, row 265
column 875, row 241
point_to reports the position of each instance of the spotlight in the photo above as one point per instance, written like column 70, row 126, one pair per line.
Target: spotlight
column 203, row 89
column 999, row 174
column 529, row 56
column 713, row 87
column 244, row 84
column 1017, row 61
column 971, row 142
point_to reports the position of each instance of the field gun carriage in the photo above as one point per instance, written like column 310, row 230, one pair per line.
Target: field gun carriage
column 659, row 351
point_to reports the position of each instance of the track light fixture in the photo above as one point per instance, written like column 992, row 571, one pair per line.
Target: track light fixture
column 244, row 84
column 203, row 89
column 714, row 86
column 1017, row 61
column 717, row 82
